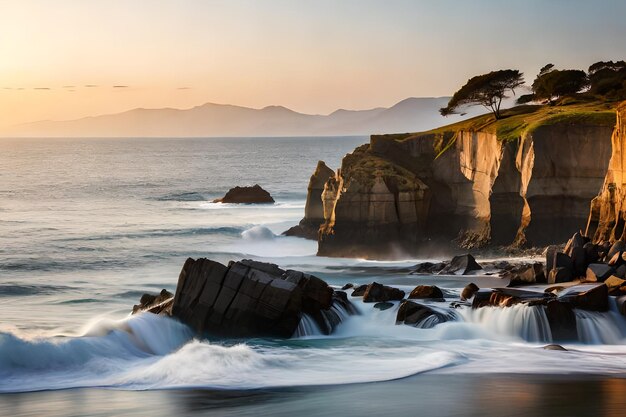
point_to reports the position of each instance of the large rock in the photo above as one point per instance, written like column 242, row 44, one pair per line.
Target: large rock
column 461, row 265
column 249, row 299
column 426, row 291
column 376, row 292
column 469, row 291
column 314, row 208
column 598, row 272
column 246, row 195
column 506, row 297
column 592, row 297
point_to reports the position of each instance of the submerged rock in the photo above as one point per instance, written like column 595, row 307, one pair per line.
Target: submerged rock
column 251, row 299
column 469, row 291
column 385, row 305
column 246, row 195
column 420, row 315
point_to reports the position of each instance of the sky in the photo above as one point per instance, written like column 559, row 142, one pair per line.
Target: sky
column 66, row 59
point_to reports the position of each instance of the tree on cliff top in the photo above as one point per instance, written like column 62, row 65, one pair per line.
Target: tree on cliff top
column 487, row 90
column 551, row 84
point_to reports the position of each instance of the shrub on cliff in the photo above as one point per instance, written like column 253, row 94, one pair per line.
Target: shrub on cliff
column 487, row 90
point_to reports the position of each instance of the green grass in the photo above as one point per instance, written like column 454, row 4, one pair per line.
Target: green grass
column 522, row 120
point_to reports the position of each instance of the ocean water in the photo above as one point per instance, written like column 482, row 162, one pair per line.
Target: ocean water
column 88, row 225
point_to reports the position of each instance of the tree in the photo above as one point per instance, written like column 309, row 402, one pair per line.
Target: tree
column 608, row 78
column 551, row 84
column 487, row 90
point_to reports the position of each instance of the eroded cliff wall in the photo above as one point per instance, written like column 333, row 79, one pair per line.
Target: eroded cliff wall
column 608, row 210
column 402, row 194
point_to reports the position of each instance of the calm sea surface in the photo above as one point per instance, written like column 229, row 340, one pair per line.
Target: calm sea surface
column 88, row 225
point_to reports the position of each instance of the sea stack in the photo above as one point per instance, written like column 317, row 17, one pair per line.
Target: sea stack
column 246, row 195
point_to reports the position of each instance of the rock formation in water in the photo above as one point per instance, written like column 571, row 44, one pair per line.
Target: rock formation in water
column 250, row 299
column 314, row 209
column 246, row 195
column 506, row 184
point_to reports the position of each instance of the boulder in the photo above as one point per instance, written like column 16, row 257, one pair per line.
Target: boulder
column 621, row 304
column 426, row 291
column 598, row 272
column 347, row 286
column 620, row 272
column 579, row 260
column 156, row 304
column 461, row 265
column 527, row 274
column 249, row 299
column 385, row 305
column 469, row 291
column 562, row 320
column 560, row 274
column 420, row 315
column 617, row 260
column 576, row 241
column 376, row 292
column 554, row 347
column 592, row 297
column 246, row 195
column 592, row 252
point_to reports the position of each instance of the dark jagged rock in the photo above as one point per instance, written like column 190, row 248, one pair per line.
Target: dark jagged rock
column 156, row 304
column 469, row 291
column 561, row 274
column 376, row 292
column 620, row 272
column 562, row 320
column 347, row 286
column 246, row 195
column 616, row 285
column 527, row 274
column 461, row 264
column 618, row 246
column 249, row 298
column 385, row 305
column 426, row 291
column 419, row 315
column 592, row 252
column 598, row 272
column 621, row 304
column 592, row 297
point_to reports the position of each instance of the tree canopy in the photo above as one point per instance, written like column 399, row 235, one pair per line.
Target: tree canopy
column 551, row 84
column 487, row 90
column 608, row 78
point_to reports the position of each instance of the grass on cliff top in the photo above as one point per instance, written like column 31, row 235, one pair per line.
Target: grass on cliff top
column 521, row 120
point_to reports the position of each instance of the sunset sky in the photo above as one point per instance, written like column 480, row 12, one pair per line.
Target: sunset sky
column 65, row 59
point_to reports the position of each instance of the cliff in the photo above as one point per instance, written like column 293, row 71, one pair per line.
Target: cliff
column 524, row 180
column 608, row 210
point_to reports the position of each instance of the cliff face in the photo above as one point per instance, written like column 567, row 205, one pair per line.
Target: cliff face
column 406, row 194
column 314, row 209
column 608, row 210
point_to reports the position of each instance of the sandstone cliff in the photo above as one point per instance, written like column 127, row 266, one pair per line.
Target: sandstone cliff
column 526, row 180
column 608, row 210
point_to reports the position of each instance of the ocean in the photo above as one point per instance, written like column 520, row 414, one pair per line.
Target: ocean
column 89, row 225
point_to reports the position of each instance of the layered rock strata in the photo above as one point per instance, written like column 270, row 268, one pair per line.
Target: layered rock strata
column 406, row 194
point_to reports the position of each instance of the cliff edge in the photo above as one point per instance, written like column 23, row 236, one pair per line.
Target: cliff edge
column 524, row 180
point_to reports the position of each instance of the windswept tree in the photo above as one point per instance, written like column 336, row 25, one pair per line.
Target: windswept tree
column 608, row 78
column 551, row 83
column 487, row 90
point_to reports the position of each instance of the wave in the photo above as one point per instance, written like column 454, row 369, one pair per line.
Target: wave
column 15, row 290
column 221, row 230
column 257, row 233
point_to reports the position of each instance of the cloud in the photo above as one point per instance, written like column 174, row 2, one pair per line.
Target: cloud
column 41, row 88
column 184, row 88
column 7, row 88
column 69, row 86
column 120, row 86
column 90, row 85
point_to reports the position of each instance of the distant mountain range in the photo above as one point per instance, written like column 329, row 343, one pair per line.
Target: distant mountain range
column 223, row 120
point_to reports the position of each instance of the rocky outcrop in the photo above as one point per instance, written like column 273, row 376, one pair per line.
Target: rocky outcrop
column 314, row 209
column 246, row 195
column 248, row 299
column 607, row 217
column 411, row 194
